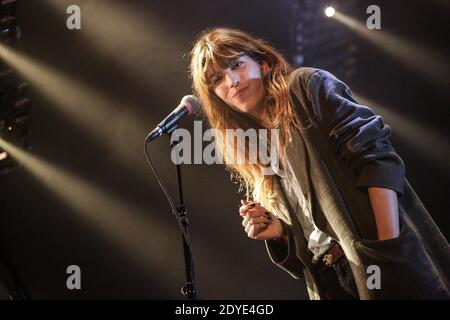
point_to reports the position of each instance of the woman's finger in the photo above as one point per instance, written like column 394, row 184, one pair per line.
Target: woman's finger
column 261, row 219
column 246, row 206
column 247, row 228
column 243, row 209
column 256, row 229
column 257, row 212
column 245, row 220
column 252, row 213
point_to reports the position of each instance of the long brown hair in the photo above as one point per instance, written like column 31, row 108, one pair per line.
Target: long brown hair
column 219, row 46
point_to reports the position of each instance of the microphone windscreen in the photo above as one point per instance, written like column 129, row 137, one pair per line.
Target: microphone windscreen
column 192, row 103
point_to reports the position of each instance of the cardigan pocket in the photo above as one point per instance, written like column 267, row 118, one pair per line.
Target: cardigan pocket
column 405, row 233
column 403, row 267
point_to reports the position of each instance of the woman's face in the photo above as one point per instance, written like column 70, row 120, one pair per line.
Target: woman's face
column 240, row 85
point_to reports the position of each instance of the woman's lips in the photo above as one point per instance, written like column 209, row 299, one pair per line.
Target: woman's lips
column 239, row 92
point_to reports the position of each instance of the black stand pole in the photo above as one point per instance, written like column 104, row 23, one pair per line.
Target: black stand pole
column 188, row 289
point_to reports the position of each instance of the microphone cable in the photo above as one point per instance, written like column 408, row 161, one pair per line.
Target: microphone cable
column 169, row 198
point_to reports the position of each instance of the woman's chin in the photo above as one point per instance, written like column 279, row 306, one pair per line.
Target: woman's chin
column 242, row 110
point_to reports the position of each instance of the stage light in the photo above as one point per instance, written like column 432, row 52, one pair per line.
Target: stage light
column 68, row 94
column 14, row 109
column 323, row 44
column 144, row 32
column 408, row 52
column 14, row 105
column 329, row 12
column 126, row 225
column 8, row 21
column 415, row 134
column 7, row 163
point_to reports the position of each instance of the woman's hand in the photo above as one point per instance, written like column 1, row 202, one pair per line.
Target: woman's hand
column 259, row 224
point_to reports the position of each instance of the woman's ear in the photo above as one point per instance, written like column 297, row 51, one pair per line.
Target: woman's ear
column 265, row 68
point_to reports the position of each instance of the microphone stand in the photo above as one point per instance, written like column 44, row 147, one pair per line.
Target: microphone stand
column 188, row 289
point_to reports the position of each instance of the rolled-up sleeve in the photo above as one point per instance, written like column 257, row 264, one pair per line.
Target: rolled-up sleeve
column 284, row 254
column 357, row 135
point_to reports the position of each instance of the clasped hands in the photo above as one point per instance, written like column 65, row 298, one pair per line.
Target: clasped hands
column 260, row 224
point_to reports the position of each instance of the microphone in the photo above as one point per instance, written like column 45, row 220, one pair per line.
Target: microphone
column 187, row 105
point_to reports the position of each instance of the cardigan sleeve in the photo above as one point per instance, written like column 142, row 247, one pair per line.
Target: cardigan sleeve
column 284, row 254
column 356, row 134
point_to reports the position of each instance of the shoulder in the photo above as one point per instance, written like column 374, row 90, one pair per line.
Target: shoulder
column 305, row 75
column 315, row 81
column 301, row 75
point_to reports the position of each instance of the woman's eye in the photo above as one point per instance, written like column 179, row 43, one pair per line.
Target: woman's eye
column 238, row 64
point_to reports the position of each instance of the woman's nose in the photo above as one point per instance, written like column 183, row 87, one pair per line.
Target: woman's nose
column 233, row 79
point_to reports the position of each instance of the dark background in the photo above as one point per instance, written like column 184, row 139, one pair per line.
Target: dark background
column 42, row 235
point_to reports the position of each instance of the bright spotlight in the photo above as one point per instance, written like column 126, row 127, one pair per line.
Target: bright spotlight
column 3, row 155
column 329, row 11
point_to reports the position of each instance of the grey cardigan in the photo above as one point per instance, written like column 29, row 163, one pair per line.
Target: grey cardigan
column 345, row 149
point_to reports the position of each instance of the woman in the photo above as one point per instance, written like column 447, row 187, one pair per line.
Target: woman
column 339, row 211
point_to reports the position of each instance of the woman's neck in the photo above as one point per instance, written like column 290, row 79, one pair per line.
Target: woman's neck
column 261, row 117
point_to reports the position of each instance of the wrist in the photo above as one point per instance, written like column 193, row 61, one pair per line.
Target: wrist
column 283, row 237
